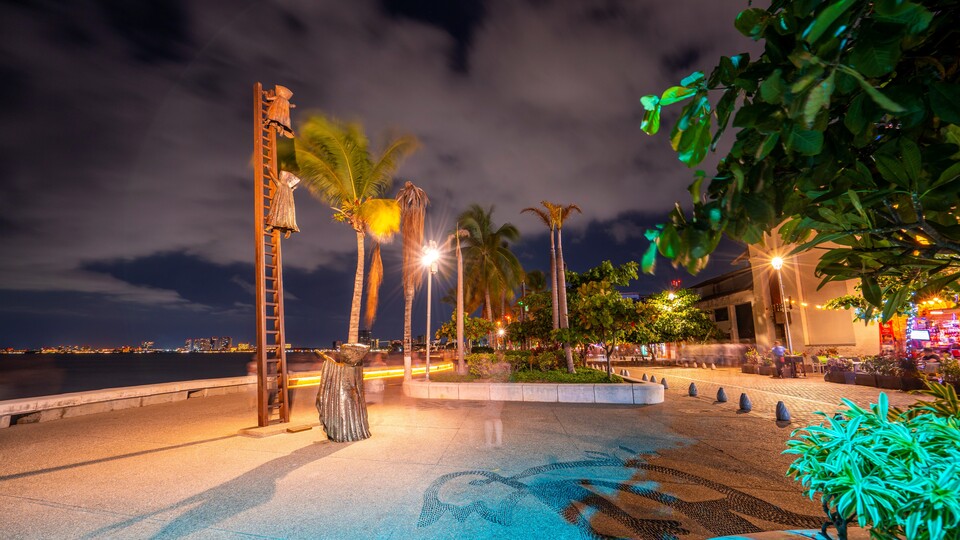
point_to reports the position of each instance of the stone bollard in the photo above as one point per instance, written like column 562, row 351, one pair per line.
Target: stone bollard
column 653, row 378
column 783, row 415
column 745, row 404
column 721, row 395
column 644, row 379
column 692, row 391
column 713, row 365
column 663, row 381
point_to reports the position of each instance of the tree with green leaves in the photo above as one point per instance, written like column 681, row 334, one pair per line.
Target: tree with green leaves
column 474, row 329
column 335, row 162
column 602, row 315
column 599, row 313
column 847, row 141
column 676, row 317
column 536, row 324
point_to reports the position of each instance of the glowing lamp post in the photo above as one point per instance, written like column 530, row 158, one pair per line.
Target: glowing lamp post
column 430, row 257
column 777, row 263
column 500, row 333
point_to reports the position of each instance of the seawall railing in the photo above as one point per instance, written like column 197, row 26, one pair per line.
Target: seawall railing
column 47, row 408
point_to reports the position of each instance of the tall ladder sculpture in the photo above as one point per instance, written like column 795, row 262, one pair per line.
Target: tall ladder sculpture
column 273, row 403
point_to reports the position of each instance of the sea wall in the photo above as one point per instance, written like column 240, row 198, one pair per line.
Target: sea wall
column 46, row 408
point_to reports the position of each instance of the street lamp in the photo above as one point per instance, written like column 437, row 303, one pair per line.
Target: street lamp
column 500, row 333
column 430, row 257
column 777, row 263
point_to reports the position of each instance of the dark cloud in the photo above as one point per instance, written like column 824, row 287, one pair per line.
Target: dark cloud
column 128, row 140
column 460, row 20
column 153, row 31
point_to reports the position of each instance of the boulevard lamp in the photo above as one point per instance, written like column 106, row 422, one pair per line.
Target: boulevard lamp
column 777, row 264
column 430, row 257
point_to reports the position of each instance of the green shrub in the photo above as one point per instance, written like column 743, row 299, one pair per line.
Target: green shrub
column 452, row 377
column 550, row 360
column 896, row 473
column 480, row 349
column 487, row 365
column 583, row 376
column 950, row 368
column 518, row 360
column 881, row 365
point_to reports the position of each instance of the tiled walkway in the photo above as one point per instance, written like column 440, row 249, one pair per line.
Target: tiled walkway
column 802, row 396
column 688, row 468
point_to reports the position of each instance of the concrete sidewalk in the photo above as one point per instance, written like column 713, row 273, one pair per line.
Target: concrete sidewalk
column 433, row 469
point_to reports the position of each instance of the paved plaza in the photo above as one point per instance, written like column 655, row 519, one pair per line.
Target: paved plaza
column 688, row 468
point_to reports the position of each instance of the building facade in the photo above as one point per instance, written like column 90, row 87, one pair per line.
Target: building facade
column 748, row 306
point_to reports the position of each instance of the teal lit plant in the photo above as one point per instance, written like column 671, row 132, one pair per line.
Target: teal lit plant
column 896, row 472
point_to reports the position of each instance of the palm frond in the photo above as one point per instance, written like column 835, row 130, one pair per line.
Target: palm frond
column 565, row 211
column 374, row 280
column 544, row 216
column 380, row 174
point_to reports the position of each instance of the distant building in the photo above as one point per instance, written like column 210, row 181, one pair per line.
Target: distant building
column 364, row 337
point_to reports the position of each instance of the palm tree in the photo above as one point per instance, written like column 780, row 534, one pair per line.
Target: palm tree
column 560, row 214
column 490, row 267
column 335, row 164
column 547, row 218
column 553, row 216
column 413, row 205
column 536, row 282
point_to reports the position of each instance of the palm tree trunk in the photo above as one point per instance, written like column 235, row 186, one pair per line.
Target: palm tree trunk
column 553, row 281
column 461, row 364
column 562, row 294
column 489, row 309
column 353, row 336
column 407, row 333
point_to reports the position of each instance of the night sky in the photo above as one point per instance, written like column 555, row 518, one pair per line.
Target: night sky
column 127, row 194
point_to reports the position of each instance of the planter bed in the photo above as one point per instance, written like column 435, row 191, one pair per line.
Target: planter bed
column 636, row 393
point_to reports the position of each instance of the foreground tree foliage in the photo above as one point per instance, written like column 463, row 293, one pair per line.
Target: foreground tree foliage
column 848, row 140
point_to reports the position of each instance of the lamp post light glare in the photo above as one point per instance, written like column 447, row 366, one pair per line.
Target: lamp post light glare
column 777, row 263
column 430, row 257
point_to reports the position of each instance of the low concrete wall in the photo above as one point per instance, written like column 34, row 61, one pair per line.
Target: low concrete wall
column 635, row 393
column 45, row 408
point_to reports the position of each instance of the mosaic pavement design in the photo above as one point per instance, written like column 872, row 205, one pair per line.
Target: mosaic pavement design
column 580, row 498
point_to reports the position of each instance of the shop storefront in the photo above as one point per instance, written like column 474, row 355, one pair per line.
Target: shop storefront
column 936, row 327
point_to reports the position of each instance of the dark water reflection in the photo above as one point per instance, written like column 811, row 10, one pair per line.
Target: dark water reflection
column 29, row 375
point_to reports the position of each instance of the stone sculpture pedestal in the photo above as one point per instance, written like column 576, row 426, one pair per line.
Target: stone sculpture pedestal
column 340, row 401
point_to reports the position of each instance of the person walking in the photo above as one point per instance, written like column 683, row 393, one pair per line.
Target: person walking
column 779, row 352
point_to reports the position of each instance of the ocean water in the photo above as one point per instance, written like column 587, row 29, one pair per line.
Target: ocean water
column 29, row 375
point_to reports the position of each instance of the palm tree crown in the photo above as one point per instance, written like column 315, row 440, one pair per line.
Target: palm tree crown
column 491, row 270
column 335, row 163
